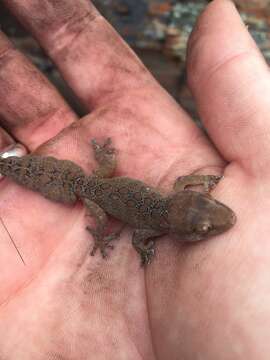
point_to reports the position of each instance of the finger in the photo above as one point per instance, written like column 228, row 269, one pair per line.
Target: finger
column 5, row 140
column 31, row 109
column 91, row 56
column 231, row 84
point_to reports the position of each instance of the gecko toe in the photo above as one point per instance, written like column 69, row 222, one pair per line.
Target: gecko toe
column 147, row 256
column 108, row 142
column 104, row 253
column 94, row 250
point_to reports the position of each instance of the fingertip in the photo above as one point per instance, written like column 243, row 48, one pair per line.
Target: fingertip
column 230, row 81
column 219, row 35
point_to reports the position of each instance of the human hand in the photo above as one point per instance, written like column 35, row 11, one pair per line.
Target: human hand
column 209, row 300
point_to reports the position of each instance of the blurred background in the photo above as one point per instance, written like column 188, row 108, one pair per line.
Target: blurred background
column 157, row 30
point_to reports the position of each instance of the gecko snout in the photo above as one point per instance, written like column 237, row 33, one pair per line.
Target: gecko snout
column 232, row 218
column 222, row 218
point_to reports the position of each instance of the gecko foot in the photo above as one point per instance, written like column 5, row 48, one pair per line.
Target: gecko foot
column 147, row 256
column 147, row 253
column 103, row 149
column 144, row 247
column 103, row 242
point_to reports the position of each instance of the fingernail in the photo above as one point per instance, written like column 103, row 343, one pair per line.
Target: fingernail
column 14, row 150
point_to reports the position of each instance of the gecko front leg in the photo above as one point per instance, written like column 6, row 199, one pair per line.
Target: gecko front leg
column 105, row 156
column 209, row 182
column 145, row 249
column 102, row 241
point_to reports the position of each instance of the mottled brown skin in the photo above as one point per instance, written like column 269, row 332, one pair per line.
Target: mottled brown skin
column 190, row 215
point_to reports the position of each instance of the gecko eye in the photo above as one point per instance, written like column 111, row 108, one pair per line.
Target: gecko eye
column 203, row 228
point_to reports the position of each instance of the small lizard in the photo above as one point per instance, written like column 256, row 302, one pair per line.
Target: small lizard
column 191, row 215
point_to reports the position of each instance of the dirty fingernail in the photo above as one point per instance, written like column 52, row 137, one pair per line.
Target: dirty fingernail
column 14, row 150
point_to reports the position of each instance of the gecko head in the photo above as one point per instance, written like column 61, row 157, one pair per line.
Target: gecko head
column 194, row 216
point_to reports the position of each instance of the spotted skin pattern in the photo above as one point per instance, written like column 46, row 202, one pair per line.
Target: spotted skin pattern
column 190, row 215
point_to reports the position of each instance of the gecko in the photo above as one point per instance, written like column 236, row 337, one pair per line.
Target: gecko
column 187, row 214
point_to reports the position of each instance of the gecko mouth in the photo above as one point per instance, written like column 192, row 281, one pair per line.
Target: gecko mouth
column 229, row 220
column 233, row 219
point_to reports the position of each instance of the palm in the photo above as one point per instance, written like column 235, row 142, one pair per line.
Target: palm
column 68, row 304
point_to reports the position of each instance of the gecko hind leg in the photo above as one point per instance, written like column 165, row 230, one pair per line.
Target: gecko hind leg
column 105, row 156
column 209, row 182
column 101, row 241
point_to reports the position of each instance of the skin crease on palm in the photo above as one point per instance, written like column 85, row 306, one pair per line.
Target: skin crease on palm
column 206, row 301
